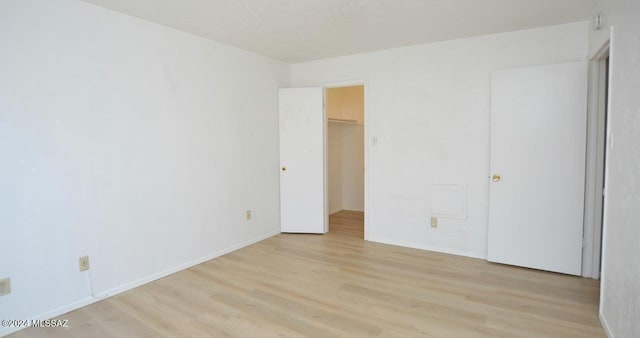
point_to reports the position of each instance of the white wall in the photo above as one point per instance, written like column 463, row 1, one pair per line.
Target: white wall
column 620, row 286
column 346, row 167
column 353, row 167
column 429, row 106
column 334, row 167
column 133, row 143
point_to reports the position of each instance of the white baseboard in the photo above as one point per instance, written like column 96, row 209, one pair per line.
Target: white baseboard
column 172, row 270
column 605, row 326
column 331, row 212
column 428, row 247
column 353, row 209
column 134, row 284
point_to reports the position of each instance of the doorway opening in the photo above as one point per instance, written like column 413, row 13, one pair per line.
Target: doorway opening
column 597, row 137
column 345, row 159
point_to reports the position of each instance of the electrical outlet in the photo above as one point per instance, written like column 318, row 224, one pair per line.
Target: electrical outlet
column 248, row 215
column 434, row 222
column 83, row 263
column 5, row 286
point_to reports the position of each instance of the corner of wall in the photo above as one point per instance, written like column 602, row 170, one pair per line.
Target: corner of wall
column 605, row 326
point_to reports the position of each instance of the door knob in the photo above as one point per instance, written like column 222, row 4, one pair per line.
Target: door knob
column 496, row 178
column 284, row 168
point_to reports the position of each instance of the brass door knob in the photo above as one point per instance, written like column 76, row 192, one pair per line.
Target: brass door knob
column 496, row 178
column 284, row 168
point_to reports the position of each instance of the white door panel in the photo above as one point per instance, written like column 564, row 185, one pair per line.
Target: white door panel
column 302, row 171
column 538, row 141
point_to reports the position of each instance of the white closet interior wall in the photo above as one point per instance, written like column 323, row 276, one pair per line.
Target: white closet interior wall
column 346, row 148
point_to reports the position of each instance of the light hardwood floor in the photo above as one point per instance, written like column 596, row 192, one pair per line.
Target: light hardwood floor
column 339, row 285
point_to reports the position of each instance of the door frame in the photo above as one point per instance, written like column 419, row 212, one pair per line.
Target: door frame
column 340, row 84
column 596, row 163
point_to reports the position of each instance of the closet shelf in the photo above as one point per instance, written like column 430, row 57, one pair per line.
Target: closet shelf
column 342, row 121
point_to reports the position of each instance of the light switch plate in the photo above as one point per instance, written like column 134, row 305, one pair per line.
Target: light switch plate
column 434, row 222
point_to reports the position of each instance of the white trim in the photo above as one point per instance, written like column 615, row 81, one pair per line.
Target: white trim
column 183, row 266
column 350, row 83
column 346, row 83
column 603, row 51
column 134, row 284
column 325, row 159
column 429, row 248
column 605, row 211
column 594, row 178
column 605, row 326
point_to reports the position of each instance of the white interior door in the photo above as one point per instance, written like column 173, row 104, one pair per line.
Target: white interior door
column 538, row 141
column 302, row 158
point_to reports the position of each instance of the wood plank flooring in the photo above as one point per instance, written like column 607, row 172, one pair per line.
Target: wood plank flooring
column 338, row 285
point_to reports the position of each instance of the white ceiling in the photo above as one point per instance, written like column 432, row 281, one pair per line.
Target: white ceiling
column 301, row 30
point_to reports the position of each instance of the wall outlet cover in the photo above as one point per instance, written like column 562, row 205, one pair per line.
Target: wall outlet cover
column 83, row 263
column 5, row 286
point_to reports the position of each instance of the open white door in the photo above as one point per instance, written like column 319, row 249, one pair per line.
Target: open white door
column 302, row 155
column 538, row 141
